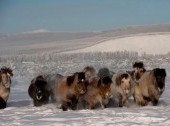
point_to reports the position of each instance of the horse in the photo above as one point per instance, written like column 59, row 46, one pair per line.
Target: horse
column 5, row 83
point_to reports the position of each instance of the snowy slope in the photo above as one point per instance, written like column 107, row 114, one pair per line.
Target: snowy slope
column 43, row 41
column 150, row 44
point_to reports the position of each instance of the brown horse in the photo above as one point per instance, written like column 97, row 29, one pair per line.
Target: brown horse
column 70, row 88
column 98, row 91
column 150, row 87
column 5, row 83
column 122, row 88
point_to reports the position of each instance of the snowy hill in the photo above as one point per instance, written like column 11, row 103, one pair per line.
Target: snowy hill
column 44, row 41
column 156, row 43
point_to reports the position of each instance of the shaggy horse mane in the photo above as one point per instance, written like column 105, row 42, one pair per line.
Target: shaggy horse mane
column 89, row 68
column 70, row 79
column 40, row 81
column 6, row 70
column 138, row 64
column 105, row 80
column 159, row 72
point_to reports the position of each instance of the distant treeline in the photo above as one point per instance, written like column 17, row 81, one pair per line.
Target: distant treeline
column 61, row 63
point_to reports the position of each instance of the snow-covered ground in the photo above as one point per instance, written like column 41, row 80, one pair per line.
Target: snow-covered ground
column 20, row 110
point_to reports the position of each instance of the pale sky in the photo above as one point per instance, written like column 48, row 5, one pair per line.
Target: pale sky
column 18, row 16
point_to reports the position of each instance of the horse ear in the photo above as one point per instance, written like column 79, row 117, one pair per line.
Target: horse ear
column 70, row 79
column 8, row 74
